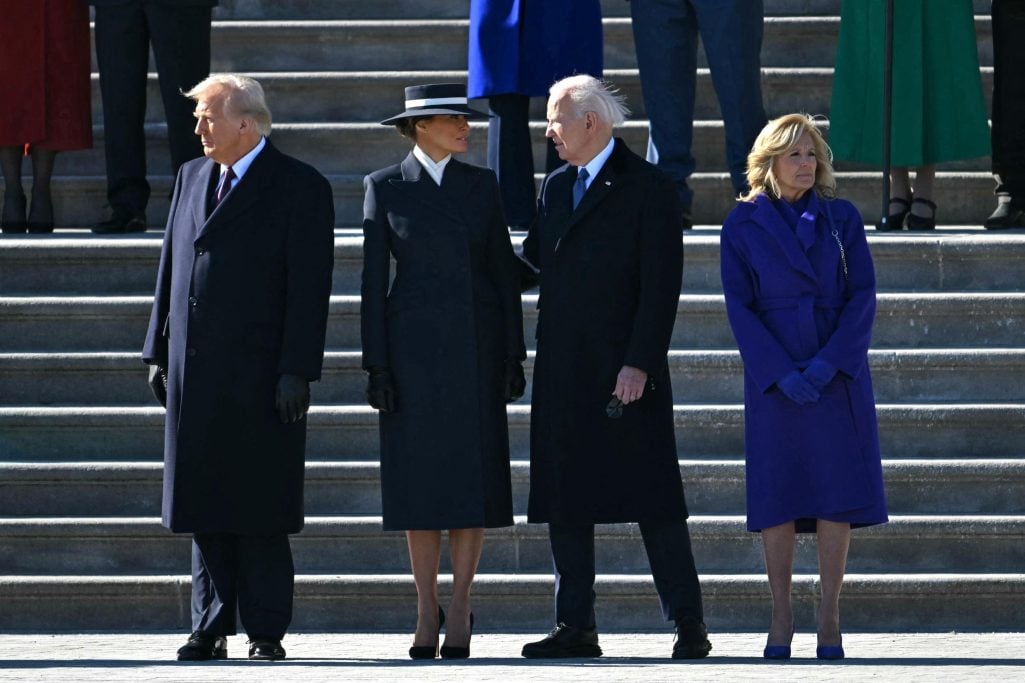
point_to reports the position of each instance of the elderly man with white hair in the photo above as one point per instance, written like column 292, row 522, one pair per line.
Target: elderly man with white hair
column 606, row 247
column 235, row 337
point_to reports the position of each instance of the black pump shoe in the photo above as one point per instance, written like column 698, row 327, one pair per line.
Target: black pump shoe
column 895, row 221
column 922, row 222
column 453, row 652
column 428, row 651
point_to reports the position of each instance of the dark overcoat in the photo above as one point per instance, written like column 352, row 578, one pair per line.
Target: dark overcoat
column 445, row 327
column 610, row 275
column 788, row 301
column 523, row 46
column 242, row 298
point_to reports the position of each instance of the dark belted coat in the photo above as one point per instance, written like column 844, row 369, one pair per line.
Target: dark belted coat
column 523, row 46
column 788, row 302
column 610, row 274
column 242, row 298
column 444, row 327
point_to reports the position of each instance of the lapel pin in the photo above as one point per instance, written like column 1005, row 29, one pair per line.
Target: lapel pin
column 608, row 183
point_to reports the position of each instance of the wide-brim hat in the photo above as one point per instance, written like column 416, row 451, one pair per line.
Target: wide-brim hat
column 435, row 99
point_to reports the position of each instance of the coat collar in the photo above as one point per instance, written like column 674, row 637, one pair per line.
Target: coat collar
column 607, row 180
column 255, row 184
column 418, row 184
column 794, row 243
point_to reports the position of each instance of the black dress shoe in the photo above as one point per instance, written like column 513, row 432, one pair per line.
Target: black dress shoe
column 203, row 646
column 266, row 650
column 691, row 639
column 564, row 642
column 428, row 651
column 453, row 652
column 122, row 221
column 1006, row 215
column 916, row 222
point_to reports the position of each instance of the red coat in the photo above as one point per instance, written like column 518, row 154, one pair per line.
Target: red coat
column 45, row 75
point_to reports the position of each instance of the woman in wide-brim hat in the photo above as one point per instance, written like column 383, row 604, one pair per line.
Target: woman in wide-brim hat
column 443, row 346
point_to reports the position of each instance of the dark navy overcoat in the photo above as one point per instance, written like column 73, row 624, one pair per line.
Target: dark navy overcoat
column 242, row 298
column 523, row 46
column 610, row 274
column 444, row 327
column 788, row 301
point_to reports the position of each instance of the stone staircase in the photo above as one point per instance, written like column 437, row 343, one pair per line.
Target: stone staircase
column 80, row 437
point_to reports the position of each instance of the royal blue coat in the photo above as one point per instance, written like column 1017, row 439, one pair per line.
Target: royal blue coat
column 789, row 301
column 523, row 46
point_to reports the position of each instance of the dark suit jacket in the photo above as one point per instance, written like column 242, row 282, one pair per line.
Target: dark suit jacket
column 242, row 297
column 610, row 274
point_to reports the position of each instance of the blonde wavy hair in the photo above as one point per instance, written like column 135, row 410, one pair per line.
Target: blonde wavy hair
column 775, row 140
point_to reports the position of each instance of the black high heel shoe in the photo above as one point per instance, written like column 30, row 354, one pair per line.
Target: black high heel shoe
column 452, row 652
column 18, row 224
column 895, row 221
column 428, row 651
column 922, row 222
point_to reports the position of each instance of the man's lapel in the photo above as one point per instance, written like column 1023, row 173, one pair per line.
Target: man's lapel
column 251, row 188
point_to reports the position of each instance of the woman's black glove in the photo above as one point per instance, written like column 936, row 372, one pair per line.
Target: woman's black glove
column 158, row 383
column 380, row 389
column 515, row 382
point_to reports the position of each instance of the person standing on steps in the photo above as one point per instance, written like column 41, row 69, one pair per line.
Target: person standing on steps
column 800, row 297
column 235, row 337
column 607, row 250
column 179, row 33
column 666, row 37
column 1008, row 131
column 443, row 346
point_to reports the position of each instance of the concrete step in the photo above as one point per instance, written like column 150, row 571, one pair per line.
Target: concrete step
column 371, row 96
column 908, row 430
column 922, row 320
column 967, row 198
column 713, row 487
column 75, row 262
column 357, row 545
column 913, row 375
column 384, row 602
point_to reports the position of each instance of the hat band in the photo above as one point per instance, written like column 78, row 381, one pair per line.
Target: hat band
column 434, row 101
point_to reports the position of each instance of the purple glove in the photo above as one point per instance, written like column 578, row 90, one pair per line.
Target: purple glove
column 797, row 389
column 819, row 373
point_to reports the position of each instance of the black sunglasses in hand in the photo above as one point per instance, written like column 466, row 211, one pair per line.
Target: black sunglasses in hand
column 614, row 409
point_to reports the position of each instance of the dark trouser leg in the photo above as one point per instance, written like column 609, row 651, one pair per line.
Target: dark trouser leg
column 266, row 579
column 731, row 32
column 122, row 54
column 672, row 567
column 666, row 36
column 573, row 554
column 510, row 156
column 1008, row 133
column 181, row 48
column 214, row 583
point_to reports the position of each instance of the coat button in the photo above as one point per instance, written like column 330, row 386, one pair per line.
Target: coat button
column 193, row 301
column 190, row 352
column 200, row 252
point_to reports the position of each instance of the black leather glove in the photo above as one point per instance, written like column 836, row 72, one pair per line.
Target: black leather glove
column 380, row 389
column 515, row 383
column 292, row 398
column 158, row 383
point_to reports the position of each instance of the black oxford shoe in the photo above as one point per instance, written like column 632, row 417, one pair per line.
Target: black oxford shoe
column 1006, row 215
column 203, row 646
column 564, row 642
column 691, row 640
column 122, row 221
column 266, row 650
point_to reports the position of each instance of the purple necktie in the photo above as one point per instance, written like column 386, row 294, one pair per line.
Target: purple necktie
column 225, row 187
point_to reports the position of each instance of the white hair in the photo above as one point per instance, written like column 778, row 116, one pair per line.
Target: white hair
column 588, row 94
column 244, row 97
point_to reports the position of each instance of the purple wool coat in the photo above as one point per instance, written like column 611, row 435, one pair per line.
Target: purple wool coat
column 788, row 301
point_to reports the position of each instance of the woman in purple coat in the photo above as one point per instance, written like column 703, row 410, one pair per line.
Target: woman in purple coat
column 800, row 297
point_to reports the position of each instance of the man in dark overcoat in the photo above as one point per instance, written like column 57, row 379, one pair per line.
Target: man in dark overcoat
column 607, row 248
column 235, row 336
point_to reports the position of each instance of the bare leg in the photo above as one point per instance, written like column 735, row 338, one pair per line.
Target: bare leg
column 14, row 193
column 464, row 546
column 41, row 210
column 424, row 556
column 778, row 543
column 833, row 539
column 925, row 181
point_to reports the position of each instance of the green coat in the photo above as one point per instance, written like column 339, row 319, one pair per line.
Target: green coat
column 939, row 112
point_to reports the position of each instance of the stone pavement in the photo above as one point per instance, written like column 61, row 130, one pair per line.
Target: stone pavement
column 628, row 657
